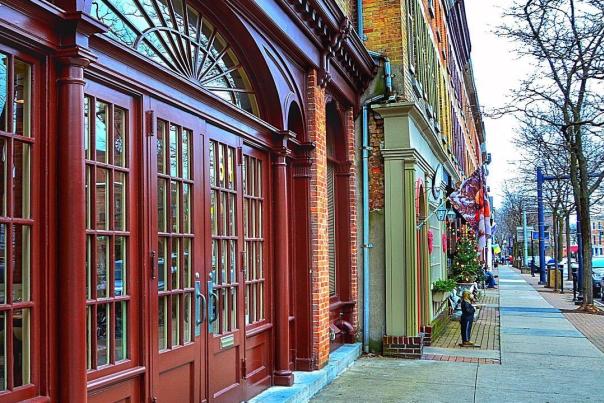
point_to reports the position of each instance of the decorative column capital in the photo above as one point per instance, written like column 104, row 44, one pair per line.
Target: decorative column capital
column 282, row 151
column 75, row 56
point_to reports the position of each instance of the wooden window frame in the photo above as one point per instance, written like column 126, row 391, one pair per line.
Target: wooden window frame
column 37, row 291
column 131, row 299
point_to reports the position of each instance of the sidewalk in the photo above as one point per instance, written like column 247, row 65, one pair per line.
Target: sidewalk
column 592, row 326
column 544, row 358
column 485, row 332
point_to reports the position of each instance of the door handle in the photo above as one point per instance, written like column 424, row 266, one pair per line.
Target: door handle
column 213, row 307
column 201, row 309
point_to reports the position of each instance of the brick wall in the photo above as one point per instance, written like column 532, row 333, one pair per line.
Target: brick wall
column 318, row 210
column 376, row 165
column 403, row 346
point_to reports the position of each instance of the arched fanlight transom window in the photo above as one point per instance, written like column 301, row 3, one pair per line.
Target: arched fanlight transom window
column 175, row 35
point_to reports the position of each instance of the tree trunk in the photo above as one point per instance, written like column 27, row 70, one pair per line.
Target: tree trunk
column 553, row 241
column 568, row 254
column 559, row 242
column 585, row 224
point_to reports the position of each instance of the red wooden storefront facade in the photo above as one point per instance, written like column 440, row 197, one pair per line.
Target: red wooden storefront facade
column 177, row 209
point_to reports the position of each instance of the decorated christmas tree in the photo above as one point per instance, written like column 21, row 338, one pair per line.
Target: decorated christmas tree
column 466, row 266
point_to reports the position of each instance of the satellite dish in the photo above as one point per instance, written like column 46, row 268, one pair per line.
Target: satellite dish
column 436, row 190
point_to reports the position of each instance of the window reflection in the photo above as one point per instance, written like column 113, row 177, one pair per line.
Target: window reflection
column 22, row 98
column 107, row 239
column 21, row 179
column 21, row 262
column 175, row 231
column 101, row 134
column 3, row 92
column 16, row 235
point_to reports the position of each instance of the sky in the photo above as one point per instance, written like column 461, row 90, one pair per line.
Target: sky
column 497, row 70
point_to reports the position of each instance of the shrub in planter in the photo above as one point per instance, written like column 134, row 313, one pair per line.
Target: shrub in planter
column 442, row 288
column 443, row 285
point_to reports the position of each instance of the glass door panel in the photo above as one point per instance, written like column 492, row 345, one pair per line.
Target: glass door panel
column 223, row 216
column 179, row 339
column 253, row 227
column 175, row 234
column 108, row 235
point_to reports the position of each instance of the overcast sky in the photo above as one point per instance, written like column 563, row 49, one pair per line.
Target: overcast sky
column 497, row 71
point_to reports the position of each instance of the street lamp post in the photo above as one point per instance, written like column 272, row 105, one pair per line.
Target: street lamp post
column 525, row 236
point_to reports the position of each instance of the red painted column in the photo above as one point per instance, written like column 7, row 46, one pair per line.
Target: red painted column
column 71, row 230
column 283, row 376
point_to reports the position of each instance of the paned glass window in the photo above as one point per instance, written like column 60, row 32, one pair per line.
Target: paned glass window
column 107, row 233
column 17, row 145
column 411, row 34
column 175, row 234
column 175, row 35
column 223, row 219
column 253, row 232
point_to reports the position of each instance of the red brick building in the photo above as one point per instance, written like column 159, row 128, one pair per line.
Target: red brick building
column 180, row 221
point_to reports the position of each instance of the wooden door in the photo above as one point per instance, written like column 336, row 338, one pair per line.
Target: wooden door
column 176, row 236
column 226, row 338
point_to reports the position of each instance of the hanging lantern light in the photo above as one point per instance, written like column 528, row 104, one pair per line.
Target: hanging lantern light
column 451, row 215
column 441, row 213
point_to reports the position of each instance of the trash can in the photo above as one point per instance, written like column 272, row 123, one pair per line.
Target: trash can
column 554, row 277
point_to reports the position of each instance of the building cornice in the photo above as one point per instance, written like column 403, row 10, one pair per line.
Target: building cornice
column 334, row 33
column 411, row 109
column 410, row 155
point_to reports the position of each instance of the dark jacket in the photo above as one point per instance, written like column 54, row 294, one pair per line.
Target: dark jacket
column 467, row 310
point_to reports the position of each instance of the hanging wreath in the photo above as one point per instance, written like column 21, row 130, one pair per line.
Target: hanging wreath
column 430, row 241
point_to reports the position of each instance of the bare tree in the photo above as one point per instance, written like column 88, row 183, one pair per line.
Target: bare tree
column 564, row 39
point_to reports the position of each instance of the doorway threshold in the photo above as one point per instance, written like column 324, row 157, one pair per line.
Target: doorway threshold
column 308, row 384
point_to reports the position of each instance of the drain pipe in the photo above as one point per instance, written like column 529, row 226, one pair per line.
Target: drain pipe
column 360, row 20
column 365, row 175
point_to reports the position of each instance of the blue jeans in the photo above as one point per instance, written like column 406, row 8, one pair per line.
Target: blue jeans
column 466, row 328
column 490, row 280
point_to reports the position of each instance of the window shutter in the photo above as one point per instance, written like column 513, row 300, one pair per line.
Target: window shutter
column 331, row 227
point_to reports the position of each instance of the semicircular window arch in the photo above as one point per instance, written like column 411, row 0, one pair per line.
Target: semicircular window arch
column 177, row 36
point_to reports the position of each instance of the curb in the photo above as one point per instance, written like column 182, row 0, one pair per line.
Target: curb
column 308, row 384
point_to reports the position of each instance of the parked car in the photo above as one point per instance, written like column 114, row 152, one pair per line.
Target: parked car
column 530, row 258
column 597, row 275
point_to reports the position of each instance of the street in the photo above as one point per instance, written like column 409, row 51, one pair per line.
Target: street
column 543, row 359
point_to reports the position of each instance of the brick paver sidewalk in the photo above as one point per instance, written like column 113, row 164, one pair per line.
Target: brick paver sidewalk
column 485, row 332
column 592, row 326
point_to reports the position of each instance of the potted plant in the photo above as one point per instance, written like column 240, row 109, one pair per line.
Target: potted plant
column 441, row 289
